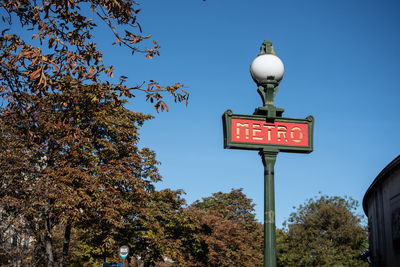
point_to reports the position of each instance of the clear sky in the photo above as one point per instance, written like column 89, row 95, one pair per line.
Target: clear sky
column 342, row 65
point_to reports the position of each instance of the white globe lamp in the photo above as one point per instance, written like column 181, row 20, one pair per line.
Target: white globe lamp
column 265, row 66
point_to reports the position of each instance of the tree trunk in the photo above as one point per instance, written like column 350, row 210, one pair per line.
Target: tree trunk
column 48, row 242
column 48, row 239
column 67, row 237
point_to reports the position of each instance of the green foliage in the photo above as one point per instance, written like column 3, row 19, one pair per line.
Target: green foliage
column 322, row 232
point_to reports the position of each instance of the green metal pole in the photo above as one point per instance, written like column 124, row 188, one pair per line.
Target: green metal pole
column 269, row 159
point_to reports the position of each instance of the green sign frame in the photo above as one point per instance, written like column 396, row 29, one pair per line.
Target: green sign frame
column 228, row 143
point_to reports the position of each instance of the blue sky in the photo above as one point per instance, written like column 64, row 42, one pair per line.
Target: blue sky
column 342, row 65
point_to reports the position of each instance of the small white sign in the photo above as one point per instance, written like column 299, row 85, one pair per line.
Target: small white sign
column 123, row 251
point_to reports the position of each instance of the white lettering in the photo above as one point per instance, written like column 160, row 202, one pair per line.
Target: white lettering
column 301, row 135
column 238, row 129
column 269, row 128
column 282, row 132
column 255, row 131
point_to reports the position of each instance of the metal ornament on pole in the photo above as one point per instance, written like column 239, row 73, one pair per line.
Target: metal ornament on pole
column 269, row 133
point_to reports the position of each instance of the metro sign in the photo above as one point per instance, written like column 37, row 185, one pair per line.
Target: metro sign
column 255, row 132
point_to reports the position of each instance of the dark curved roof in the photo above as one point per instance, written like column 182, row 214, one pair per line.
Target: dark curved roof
column 379, row 179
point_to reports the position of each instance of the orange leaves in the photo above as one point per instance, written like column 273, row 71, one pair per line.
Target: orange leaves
column 26, row 65
column 42, row 64
column 135, row 40
column 154, row 93
column 109, row 71
column 154, row 51
column 132, row 38
column 162, row 105
column 27, row 53
column 228, row 230
column 35, row 74
column 56, row 68
column 91, row 72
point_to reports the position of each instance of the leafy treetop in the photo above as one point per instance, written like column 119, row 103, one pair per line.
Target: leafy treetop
column 67, row 54
column 323, row 232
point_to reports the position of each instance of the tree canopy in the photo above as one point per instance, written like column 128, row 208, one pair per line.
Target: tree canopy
column 70, row 165
column 324, row 231
column 229, row 232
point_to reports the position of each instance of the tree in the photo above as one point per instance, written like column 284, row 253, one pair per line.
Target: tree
column 169, row 232
column 229, row 233
column 69, row 154
column 158, row 232
column 230, row 206
column 323, row 232
column 220, row 230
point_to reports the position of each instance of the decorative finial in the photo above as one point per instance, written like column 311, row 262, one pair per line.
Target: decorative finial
column 267, row 48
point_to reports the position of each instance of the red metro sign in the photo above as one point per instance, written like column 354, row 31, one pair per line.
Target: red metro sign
column 276, row 133
column 255, row 132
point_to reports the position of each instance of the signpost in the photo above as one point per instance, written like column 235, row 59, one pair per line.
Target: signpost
column 123, row 252
column 269, row 133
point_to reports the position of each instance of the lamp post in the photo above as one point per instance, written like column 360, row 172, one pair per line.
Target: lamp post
column 269, row 133
column 267, row 71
